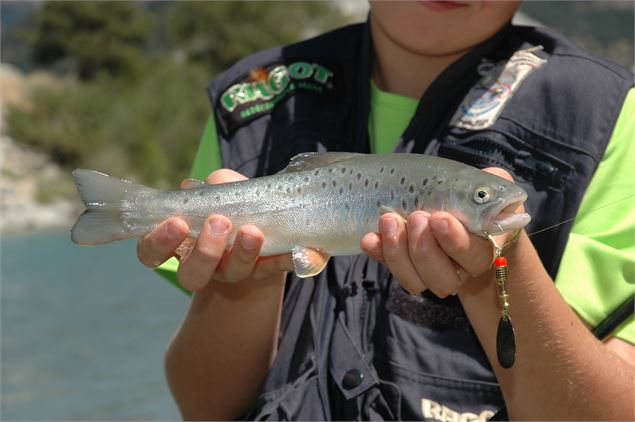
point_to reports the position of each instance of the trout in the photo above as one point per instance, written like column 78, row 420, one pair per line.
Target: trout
column 320, row 205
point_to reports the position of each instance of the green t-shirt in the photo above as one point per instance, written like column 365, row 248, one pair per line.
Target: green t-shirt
column 601, row 245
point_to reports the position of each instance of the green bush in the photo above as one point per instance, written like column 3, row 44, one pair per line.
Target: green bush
column 147, row 129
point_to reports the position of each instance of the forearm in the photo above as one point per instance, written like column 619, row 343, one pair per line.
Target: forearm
column 561, row 370
column 219, row 358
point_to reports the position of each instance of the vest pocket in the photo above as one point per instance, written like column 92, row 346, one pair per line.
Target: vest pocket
column 436, row 379
column 431, row 397
column 299, row 400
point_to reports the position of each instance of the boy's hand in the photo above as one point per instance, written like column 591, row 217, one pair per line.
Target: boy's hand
column 431, row 251
column 207, row 259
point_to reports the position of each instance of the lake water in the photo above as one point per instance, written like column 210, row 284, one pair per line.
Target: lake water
column 84, row 330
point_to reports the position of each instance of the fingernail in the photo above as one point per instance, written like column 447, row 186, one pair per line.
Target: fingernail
column 440, row 226
column 418, row 224
column 218, row 226
column 388, row 226
column 248, row 242
column 171, row 232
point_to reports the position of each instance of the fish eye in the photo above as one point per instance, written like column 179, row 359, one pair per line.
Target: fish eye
column 482, row 194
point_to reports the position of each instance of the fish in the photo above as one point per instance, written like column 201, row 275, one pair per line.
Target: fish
column 320, row 205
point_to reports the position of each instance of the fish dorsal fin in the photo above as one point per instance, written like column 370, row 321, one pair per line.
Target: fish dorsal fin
column 311, row 160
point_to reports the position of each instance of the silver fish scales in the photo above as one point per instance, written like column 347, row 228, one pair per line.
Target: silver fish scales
column 320, row 205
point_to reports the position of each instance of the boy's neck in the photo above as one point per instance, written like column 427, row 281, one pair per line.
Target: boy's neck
column 400, row 71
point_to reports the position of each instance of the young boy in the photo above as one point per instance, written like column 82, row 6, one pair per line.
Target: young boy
column 444, row 78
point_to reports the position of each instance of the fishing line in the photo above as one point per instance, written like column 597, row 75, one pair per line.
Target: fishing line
column 582, row 215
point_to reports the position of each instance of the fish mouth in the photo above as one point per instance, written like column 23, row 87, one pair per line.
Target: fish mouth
column 503, row 217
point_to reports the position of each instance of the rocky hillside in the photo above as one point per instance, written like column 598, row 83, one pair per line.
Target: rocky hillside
column 34, row 192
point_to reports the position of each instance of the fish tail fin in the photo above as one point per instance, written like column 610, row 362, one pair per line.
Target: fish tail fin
column 105, row 200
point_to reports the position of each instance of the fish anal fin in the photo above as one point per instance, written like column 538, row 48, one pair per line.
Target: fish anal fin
column 400, row 212
column 308, row 262
column 311, row 160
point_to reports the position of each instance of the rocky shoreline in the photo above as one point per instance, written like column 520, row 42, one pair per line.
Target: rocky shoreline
column 24, row 174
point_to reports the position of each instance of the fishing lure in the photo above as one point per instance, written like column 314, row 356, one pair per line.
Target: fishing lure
column 505, row 336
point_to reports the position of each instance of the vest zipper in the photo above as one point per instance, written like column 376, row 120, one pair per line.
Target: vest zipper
column 499, row 154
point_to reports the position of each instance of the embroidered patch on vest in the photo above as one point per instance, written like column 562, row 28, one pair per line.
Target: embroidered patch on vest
column 486, row 100
column 264, row 87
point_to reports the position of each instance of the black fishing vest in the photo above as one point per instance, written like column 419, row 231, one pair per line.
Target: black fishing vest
column 353, row 345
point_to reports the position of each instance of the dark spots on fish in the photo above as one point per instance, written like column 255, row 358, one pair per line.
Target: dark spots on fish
column 376, row 184
column 279, row 187
column 382, row 169
column 411, row 188
column 425, row 182
column 343, row 170
column 200, row 193
column 359, row 176
column 392, row 194
column 331, row 170
column 334, row 183
column 403, row 180
column 341, row 190
column 392, row 170
column 350, row 186
column 456, row 179
column 366, row 182
column 186, row 200
column 428, row 193
column 257, row 193
column 316, row 172
column 268, row 185
column 378, row 204
column 323, row 185
column 404, row 205
column 288, row 189
column 347, row 206
column 351, row 171
column 416, row 202
column 298, row 189
column 306, row 180
column 440, row 181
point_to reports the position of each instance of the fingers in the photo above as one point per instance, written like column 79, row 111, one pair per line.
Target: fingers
column 499, row 172
column 224, row 176
column 159, row 245
column 240, row 262
column 430, row 251
column 436, row 269
column 394, row 247
column 209, row 259
column 472, row 253
column 371, row 244
column 243, row 261
column 196, row 269
column 270, row 265
column 191, row 183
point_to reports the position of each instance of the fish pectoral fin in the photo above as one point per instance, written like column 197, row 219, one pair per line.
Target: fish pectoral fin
column 308, row 262
column 310, row 160
column 401, row 213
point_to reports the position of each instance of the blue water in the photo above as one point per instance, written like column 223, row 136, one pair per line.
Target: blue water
column 84, row 330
